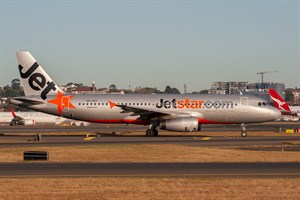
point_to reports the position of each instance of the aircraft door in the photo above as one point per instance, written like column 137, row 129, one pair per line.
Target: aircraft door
column 244, row 104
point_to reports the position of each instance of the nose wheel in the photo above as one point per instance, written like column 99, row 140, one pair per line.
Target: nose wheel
column 244, row 130
column 244, row 134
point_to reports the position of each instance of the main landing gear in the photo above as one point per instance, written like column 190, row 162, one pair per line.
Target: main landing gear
column 152, row 132
column 244, row 130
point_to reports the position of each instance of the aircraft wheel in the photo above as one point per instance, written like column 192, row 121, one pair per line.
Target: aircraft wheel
column 244, row 134
column 150, row 132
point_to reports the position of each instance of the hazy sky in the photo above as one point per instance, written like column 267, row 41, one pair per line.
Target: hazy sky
column 154, row 43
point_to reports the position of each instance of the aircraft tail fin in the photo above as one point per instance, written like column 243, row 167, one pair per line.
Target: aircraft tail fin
column 278, row 101
column 36, row 81
column 12, row 112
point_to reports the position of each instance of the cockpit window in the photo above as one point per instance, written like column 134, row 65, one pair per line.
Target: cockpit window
column 263, row 103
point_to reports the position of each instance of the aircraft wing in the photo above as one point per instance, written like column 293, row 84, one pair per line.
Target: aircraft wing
column 27, row 102
column 146, row 114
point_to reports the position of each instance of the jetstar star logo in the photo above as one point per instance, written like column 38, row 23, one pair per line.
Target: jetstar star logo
column 62, row 102
column 111, row 104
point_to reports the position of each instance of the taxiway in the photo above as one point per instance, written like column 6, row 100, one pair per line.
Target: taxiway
column 149, row 169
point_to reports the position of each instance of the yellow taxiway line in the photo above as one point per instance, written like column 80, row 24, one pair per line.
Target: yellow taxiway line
column 89, row 138
column 206, row 138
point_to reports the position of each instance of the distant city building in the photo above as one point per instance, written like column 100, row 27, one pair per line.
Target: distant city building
column 279, row 87
column 296, row 93
column 228, row 87
column 216, row 91
column 235, row 87
column 83, row 89
column 254, row 88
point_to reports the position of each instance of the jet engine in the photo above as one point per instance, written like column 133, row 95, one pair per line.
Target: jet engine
column 22, row 122
column 182, row 124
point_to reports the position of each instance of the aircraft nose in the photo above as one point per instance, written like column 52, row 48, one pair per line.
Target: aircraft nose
column 275, row 113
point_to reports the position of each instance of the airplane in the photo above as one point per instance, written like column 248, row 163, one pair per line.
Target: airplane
column 32, row 118
column 172, row 112
column 280, row 104
column 17, row 120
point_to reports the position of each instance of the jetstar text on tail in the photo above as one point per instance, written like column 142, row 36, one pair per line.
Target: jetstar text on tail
column 37, row 81
column 194, row 104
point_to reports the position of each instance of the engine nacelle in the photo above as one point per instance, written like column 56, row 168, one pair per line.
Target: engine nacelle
column 22, row 122
column 29, row 122
column 183, row 124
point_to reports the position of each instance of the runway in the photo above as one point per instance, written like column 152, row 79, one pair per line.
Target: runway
column 22, row 141
column 110, row 128
column 13, row 137
column 149, row 169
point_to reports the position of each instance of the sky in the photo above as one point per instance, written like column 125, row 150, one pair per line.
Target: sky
column 153, row 43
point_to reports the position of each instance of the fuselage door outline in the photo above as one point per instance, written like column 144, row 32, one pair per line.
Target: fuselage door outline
column 244, row 104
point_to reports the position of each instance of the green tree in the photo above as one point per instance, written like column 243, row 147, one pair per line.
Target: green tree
column 170, row 90
column 175, row 91
column 16, row 84
column 145, row 90
column 204, row 92
column 69, row 84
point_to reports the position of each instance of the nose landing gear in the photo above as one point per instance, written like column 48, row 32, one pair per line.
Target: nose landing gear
column 244, row 130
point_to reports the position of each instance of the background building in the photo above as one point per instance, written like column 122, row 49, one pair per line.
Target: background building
column 228, row 87
column 235, row 87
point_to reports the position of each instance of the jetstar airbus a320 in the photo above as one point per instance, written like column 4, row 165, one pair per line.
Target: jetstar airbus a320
column 171, row 112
